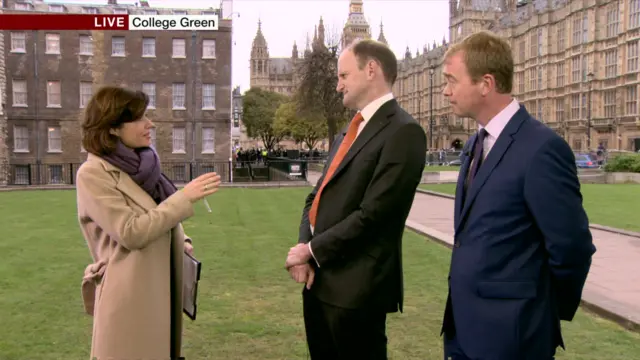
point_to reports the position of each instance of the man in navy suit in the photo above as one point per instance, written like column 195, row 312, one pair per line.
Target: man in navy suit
column 522, row 247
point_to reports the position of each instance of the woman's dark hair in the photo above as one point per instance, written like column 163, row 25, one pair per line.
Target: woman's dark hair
column 108, row 109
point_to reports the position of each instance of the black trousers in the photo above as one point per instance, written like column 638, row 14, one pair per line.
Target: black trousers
column 335, row 333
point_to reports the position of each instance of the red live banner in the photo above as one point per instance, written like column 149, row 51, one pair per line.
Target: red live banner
column 63, row 22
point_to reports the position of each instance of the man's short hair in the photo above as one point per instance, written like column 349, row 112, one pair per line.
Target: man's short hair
column 485, row 53
column 368, row 49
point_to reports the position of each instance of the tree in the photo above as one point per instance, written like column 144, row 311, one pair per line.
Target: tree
column 317, row 90
column 259, row 112
column 302, row 128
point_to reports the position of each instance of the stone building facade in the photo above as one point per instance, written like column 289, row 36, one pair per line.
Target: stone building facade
column 576, row 69
column 51, row 75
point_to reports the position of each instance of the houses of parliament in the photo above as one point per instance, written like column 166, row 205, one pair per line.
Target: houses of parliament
column 576, row 67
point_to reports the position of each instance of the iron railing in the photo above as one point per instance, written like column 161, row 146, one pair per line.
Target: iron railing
column 28, row 174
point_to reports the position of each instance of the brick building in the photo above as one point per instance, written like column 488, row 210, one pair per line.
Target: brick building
column 4, row 153
column 51, row 75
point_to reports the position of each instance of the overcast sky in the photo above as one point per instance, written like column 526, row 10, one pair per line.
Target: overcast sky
column 412, row 23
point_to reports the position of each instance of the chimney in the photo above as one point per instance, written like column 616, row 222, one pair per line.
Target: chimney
column 112, row 2
column 144, row 3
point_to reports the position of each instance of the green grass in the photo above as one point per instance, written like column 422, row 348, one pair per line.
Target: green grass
column 248, row 306
column 434, row 168
column 606, row 204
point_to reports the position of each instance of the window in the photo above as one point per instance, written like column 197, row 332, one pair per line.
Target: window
column 86, row 91
column 52, row 42
column 179, row 48
column 117, row 46
column 559, row 110
column 208, row 141
column 610, row 104
column 148, row 47
column 150, row 12
column 20, row 93
column 55, row 174
column 561, row 36
column 18, row 42
column 521, row 51
column 152, row 132
column 585, row 28
column 533, row 83
column 611, row 63
column 577, row 32
column 89, row 10
column 54, row 139
column 575, row 106
column 53, row 94
column 20, row 138
column 179, row 138
column 575, row 69
column 632, row 56
column 560, row 74
column 533, row 44
column 521, row 82
column 120, row 11
column 150, row 90
column 86, row 45
column 612, row 20
column 56, row 8
column 634, row 14
column 540, row 71
column 179, row 96
column 208, row 49
column 208, row 96
column 22, row 173
column 22, row 6
column 631, row 106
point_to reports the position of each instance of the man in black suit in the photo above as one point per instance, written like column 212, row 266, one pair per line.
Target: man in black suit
column 522, row 246
column 349, row 251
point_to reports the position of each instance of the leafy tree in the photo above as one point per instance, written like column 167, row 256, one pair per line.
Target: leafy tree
column 259, row 112
column 317, row 90
column 302, row 128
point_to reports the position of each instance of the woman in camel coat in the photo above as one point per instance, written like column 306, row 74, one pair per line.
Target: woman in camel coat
column 130, row 215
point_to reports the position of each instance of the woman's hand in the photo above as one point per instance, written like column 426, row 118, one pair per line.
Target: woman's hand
column 202, row 186
column 188, row 248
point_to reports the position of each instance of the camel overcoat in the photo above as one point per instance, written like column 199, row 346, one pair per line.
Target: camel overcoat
column 133, row 288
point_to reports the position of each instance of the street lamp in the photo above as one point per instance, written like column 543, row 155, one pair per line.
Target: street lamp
column 431, row 71
column 589, row 79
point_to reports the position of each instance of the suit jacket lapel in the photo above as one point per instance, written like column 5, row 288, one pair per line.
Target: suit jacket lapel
column 495, row 155
column 462, row 176
column 378, row 121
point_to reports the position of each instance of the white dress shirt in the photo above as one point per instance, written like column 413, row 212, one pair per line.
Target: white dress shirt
column 497, row 124
column 367, row 113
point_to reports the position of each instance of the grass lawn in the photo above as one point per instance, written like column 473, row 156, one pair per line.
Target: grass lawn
column 434, row 168
column 606, row 204
column 248, row 306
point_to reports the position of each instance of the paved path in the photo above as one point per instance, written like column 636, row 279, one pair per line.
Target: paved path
column 613, row 286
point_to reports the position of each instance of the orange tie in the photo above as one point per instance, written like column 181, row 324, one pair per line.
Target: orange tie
column 337, row 159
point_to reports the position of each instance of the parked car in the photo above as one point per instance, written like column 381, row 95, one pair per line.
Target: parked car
column 585, row 161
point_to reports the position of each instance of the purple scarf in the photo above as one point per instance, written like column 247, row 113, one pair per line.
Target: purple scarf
column 143, row 165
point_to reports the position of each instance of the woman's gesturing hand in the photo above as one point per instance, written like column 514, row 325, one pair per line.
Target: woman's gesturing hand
column 202, row 186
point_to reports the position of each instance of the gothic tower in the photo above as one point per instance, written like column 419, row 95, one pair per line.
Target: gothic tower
column 381, row 37
column 470, row 16
column 259, row 62
column 356, row 26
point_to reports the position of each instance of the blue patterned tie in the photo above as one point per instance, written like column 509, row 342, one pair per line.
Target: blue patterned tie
column 477, row 155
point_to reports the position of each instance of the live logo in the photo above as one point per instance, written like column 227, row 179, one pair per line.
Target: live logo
column 110, row 22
